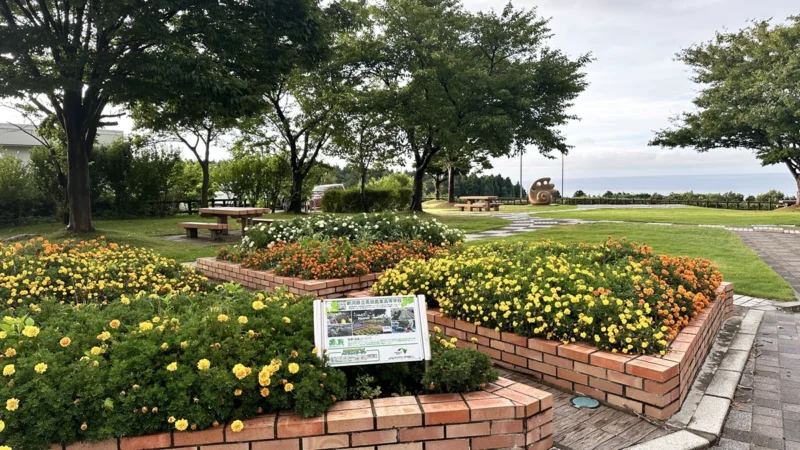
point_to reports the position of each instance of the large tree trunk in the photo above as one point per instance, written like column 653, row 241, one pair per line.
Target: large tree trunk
column 205, row 185
column 296, row 198
column 437, row 189
column 79, row 190
column 797, row 180
column 451, row 185
column 416, row 198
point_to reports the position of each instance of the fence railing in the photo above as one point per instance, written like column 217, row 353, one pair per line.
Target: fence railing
column 768, row 205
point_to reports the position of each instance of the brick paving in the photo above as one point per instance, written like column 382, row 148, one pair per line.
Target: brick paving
column 766, row 409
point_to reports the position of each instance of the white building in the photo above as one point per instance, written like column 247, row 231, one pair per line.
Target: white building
column 19, row 143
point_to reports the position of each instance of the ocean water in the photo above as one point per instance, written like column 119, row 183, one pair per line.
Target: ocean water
column 747, row 184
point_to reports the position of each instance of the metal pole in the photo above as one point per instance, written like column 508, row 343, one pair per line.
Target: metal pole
column 563, row 194
column 520, row 175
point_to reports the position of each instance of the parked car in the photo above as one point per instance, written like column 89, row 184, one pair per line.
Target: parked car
column 316, row 195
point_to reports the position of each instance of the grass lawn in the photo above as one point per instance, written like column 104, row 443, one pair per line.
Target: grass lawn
column 736, row 261
column 149, row 232
column 690, row 215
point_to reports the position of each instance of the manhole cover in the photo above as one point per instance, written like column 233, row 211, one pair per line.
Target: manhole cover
column 585, row 402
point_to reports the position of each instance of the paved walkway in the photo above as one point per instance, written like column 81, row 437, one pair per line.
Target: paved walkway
column 766, row 408
column 520, row 223
column 780, row 251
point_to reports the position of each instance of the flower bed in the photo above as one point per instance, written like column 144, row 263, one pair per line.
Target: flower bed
column 389, row 227
column 312, row 259
column 504, row 415
column 616, row 296
column 136, row 365
column 88, row 272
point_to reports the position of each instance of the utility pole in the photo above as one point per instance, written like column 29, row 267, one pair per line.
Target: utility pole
column 520, row 175
column 563, row 194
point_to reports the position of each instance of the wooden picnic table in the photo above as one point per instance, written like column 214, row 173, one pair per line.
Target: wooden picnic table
column 478, row 198
column 242, row 215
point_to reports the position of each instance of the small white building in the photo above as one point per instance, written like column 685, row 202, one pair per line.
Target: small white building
column 19, row 143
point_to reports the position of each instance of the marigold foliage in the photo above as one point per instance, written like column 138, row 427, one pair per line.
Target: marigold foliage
column 617, row 295
column 94, row 271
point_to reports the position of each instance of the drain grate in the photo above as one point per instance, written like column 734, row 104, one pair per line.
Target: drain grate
column 585, row 402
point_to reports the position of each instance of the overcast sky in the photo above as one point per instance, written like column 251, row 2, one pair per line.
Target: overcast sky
column 635, row 83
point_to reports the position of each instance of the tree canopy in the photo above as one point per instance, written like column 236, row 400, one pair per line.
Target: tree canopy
column 750, row 97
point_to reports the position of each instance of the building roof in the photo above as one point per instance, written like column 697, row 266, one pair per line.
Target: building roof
column 12, row 136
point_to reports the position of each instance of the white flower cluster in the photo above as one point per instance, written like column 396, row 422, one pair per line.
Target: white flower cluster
column 385, row 227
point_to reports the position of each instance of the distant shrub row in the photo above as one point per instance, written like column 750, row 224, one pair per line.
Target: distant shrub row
column 772, row 195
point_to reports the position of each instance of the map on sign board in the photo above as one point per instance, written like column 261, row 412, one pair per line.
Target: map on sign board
column 372, row 330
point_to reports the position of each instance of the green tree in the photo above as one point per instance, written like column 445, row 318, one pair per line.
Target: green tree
column 73, row 59
column 14, row 179
column 452, row 79
column 749, row 98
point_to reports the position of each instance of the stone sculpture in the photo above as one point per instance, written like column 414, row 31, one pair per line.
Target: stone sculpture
column 541, row 192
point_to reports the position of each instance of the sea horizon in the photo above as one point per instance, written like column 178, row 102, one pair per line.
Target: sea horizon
column 746, row 184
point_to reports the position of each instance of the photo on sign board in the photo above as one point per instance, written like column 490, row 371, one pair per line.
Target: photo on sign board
column 403, row 320
column 372, row 321
column 340, row 324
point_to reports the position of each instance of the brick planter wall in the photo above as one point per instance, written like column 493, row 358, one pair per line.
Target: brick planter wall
column 504, row 415
column 267, row 280
column 651, row 385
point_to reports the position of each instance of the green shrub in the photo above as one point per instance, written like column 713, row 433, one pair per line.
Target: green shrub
column 377, row 200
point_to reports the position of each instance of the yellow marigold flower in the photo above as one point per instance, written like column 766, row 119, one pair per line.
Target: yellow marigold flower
column 182, row 425
column 171, row 419
column 9, row 370
column 264, row 392
column 104, row 336
column 145, row 326
column 5, row 447
column 287, row 320
column 315, row 351
column 294, row 368
column 65, row 341
column 237, row 392
column 264, row 378
column 11, row 352
column 222, row 318
column 172, row 367
column 3, row 335
column 164, row 346
column 258, row 305
column 40, row 368
column 96, row 351
column 30, row 331
column 2, row 426
column 288, row 387
column 242, row 320
column 12, row 404
column 114, row 323
column 237, row 426
column 184, row 344
column 241, row 371
column 203, row 364
column 84, row 426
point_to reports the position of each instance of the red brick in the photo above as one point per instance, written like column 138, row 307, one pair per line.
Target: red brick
column 239, row 446
column 468, row 429
column 488, row 332
column 540, row 419
column 503, row 346
column 542, row 367
column 514, row 359
column 399, row 416
column 448, row 412
column 627, row 380
column 576, row 352
column 326, row 441
column 557, row 361
column 394, row 401
column 374, row 437
column 575, row 377
column 350, row 404
column 465, row 326
column 493, row 353
column 478, row 339
column 458, row 334
column 445, row 321
column 558, row 382
column 148, row 442
column 662, row 413
column 110, row 444
column 605, row 385
column 439, row 398
column 296, row 426
column 532, row 436
column 512, row 338
column 507, row 426
column 407, row 446
column 590, row 391
column 651, row 371
column 547, row 429
column 543, row 345
column 500, row 441
column 622, row 402
column 421, row 433
column 213, row 435
column 529, row 354
column 530, row 404
column 543, row 444
column 590, row 369
column 256, row 429
column 661, row 388
column 545, row 398
column 478, row 395
column 349, row 420
column 449, row 444
column 612, row 361
column 283, row 444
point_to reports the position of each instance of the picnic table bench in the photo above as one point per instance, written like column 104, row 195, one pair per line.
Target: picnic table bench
column 479, row 202
column 216, row 229
column 257, row 221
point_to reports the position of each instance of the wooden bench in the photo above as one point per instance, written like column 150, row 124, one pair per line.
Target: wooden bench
column 494, row 206
column 216, row 229
column 476, row 206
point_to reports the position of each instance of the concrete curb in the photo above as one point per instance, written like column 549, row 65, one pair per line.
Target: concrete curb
column 700, row 421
